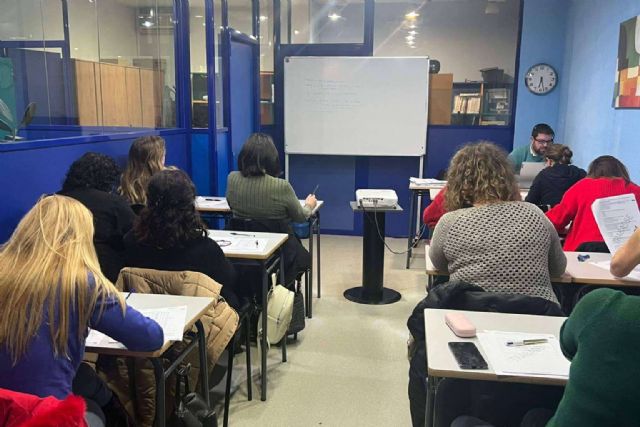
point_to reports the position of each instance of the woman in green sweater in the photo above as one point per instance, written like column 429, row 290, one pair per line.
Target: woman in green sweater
column 255, row 192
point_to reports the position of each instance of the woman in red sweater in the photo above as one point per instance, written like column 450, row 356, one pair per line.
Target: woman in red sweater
column 607, row 177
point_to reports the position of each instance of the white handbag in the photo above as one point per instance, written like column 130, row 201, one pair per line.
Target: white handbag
column 279, row 310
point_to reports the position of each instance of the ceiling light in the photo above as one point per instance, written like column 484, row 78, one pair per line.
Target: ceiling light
column 296, row 32
column 413, row 33
column 412, row 15
column 492, row 9
column 263, row 18
column 412, row 47
column 199, row 16
column 334, row 16
column 410, row 38
column 147, row 24
column 204, row 24
column 150, row 12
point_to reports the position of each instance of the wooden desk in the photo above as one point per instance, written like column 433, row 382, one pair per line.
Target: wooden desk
column 441, row 363
column 268, row 260
column 432, row 271
column 585, row 273
column 219, row 206
column 196, row 307
column 415, row 216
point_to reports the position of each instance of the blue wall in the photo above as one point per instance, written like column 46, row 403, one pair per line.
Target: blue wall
column 30, row 169
column 543, row 40
column 588, row 122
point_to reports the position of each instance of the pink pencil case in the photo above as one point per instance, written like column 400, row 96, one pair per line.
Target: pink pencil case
column 460, row 325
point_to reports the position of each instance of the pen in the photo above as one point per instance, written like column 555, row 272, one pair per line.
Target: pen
column 130, row 292
column 527, row 342
column 256, row 243
column 241, row 234
column 210, row 199
column 315, row 189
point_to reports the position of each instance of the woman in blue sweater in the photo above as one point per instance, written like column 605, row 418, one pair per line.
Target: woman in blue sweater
column 51, row 292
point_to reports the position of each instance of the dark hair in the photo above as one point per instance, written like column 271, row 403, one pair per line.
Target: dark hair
column 542, row 128
column 259, row 156
column 92, row 170
column 169, row 219
column 608, row 167
column 559, row 153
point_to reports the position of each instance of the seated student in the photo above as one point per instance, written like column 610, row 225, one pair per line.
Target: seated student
column 541, row 137
column 51, row 292
column 552, row 182
column 435, row 210
column 91, row 180
column 602, row 339
column 146, row 157
column 607, row 176
column 256, row 192
column 497, row 233
column 169, row 235
column 627, row 257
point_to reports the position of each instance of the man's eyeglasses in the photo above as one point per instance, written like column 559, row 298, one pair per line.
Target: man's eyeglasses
column 544, row 141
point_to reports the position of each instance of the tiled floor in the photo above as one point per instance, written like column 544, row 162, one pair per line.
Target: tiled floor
column 349, row 365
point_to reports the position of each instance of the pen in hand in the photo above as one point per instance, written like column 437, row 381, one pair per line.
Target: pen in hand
column 315, row 189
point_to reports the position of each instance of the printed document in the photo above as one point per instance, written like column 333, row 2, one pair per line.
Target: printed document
column 241, row 242
column 171, row 319
column 537, row 360
column 617, row 218
column 606, row 265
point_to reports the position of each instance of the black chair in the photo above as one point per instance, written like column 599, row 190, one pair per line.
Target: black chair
column 245, row 315
column 600, row 247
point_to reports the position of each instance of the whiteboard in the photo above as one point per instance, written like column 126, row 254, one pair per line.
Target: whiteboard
column 363, row 106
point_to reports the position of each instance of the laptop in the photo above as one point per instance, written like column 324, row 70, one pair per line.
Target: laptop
column 528, row 172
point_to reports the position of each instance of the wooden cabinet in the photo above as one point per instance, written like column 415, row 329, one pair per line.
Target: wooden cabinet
column 117, row 95
column 440, row 89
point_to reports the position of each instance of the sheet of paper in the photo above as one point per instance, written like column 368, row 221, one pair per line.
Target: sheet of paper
column 427, row 181
column 606, row 265
column 211, row 202
column 617, row 218
column 243, row 243
column 171, row 319
column 543, row 360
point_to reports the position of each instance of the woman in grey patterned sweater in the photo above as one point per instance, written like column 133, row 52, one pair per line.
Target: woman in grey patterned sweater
column 498, row 242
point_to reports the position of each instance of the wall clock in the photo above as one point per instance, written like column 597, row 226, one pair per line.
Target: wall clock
column 541, row 79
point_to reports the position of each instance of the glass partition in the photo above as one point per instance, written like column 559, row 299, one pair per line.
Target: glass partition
column 266, row 62
column 322, row 21
column 475, row 43
column 113, row 67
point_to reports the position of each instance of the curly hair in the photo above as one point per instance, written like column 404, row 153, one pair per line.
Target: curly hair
column 146, row 157
column 480, row 173
column 169, row 219
column 92, row 170
column 559, row 153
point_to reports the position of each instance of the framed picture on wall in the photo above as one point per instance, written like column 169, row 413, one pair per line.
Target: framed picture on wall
column 627, row 84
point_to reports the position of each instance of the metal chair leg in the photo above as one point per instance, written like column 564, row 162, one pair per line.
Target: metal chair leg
column 247, row 343
column 227, row 391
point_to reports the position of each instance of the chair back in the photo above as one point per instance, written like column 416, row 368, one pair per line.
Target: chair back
column 259, row 225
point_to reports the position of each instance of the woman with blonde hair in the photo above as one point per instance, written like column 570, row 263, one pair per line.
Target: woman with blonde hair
column 146, row 157
column 51, row 292
column 498, row 243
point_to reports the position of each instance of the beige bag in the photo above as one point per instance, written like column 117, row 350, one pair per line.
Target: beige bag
column 279, row 310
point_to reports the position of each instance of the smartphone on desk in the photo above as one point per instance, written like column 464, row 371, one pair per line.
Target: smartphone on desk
column 467, row 355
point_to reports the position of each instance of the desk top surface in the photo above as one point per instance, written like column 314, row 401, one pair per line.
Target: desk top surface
column 196, row 307
column 432, row 271
column 440, row 360
column 585, row 272
column 220, row 204
column 274, row 241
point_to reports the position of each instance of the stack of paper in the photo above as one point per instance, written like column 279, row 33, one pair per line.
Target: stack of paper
column 211, row 203
column 171, row 319
column 537, row 360
column 617, row 218
column 427, row 181
column 239, row 242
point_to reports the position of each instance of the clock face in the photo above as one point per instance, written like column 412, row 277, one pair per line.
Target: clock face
column 541, row 79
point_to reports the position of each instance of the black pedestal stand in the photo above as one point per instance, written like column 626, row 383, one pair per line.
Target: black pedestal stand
column 372, row 291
